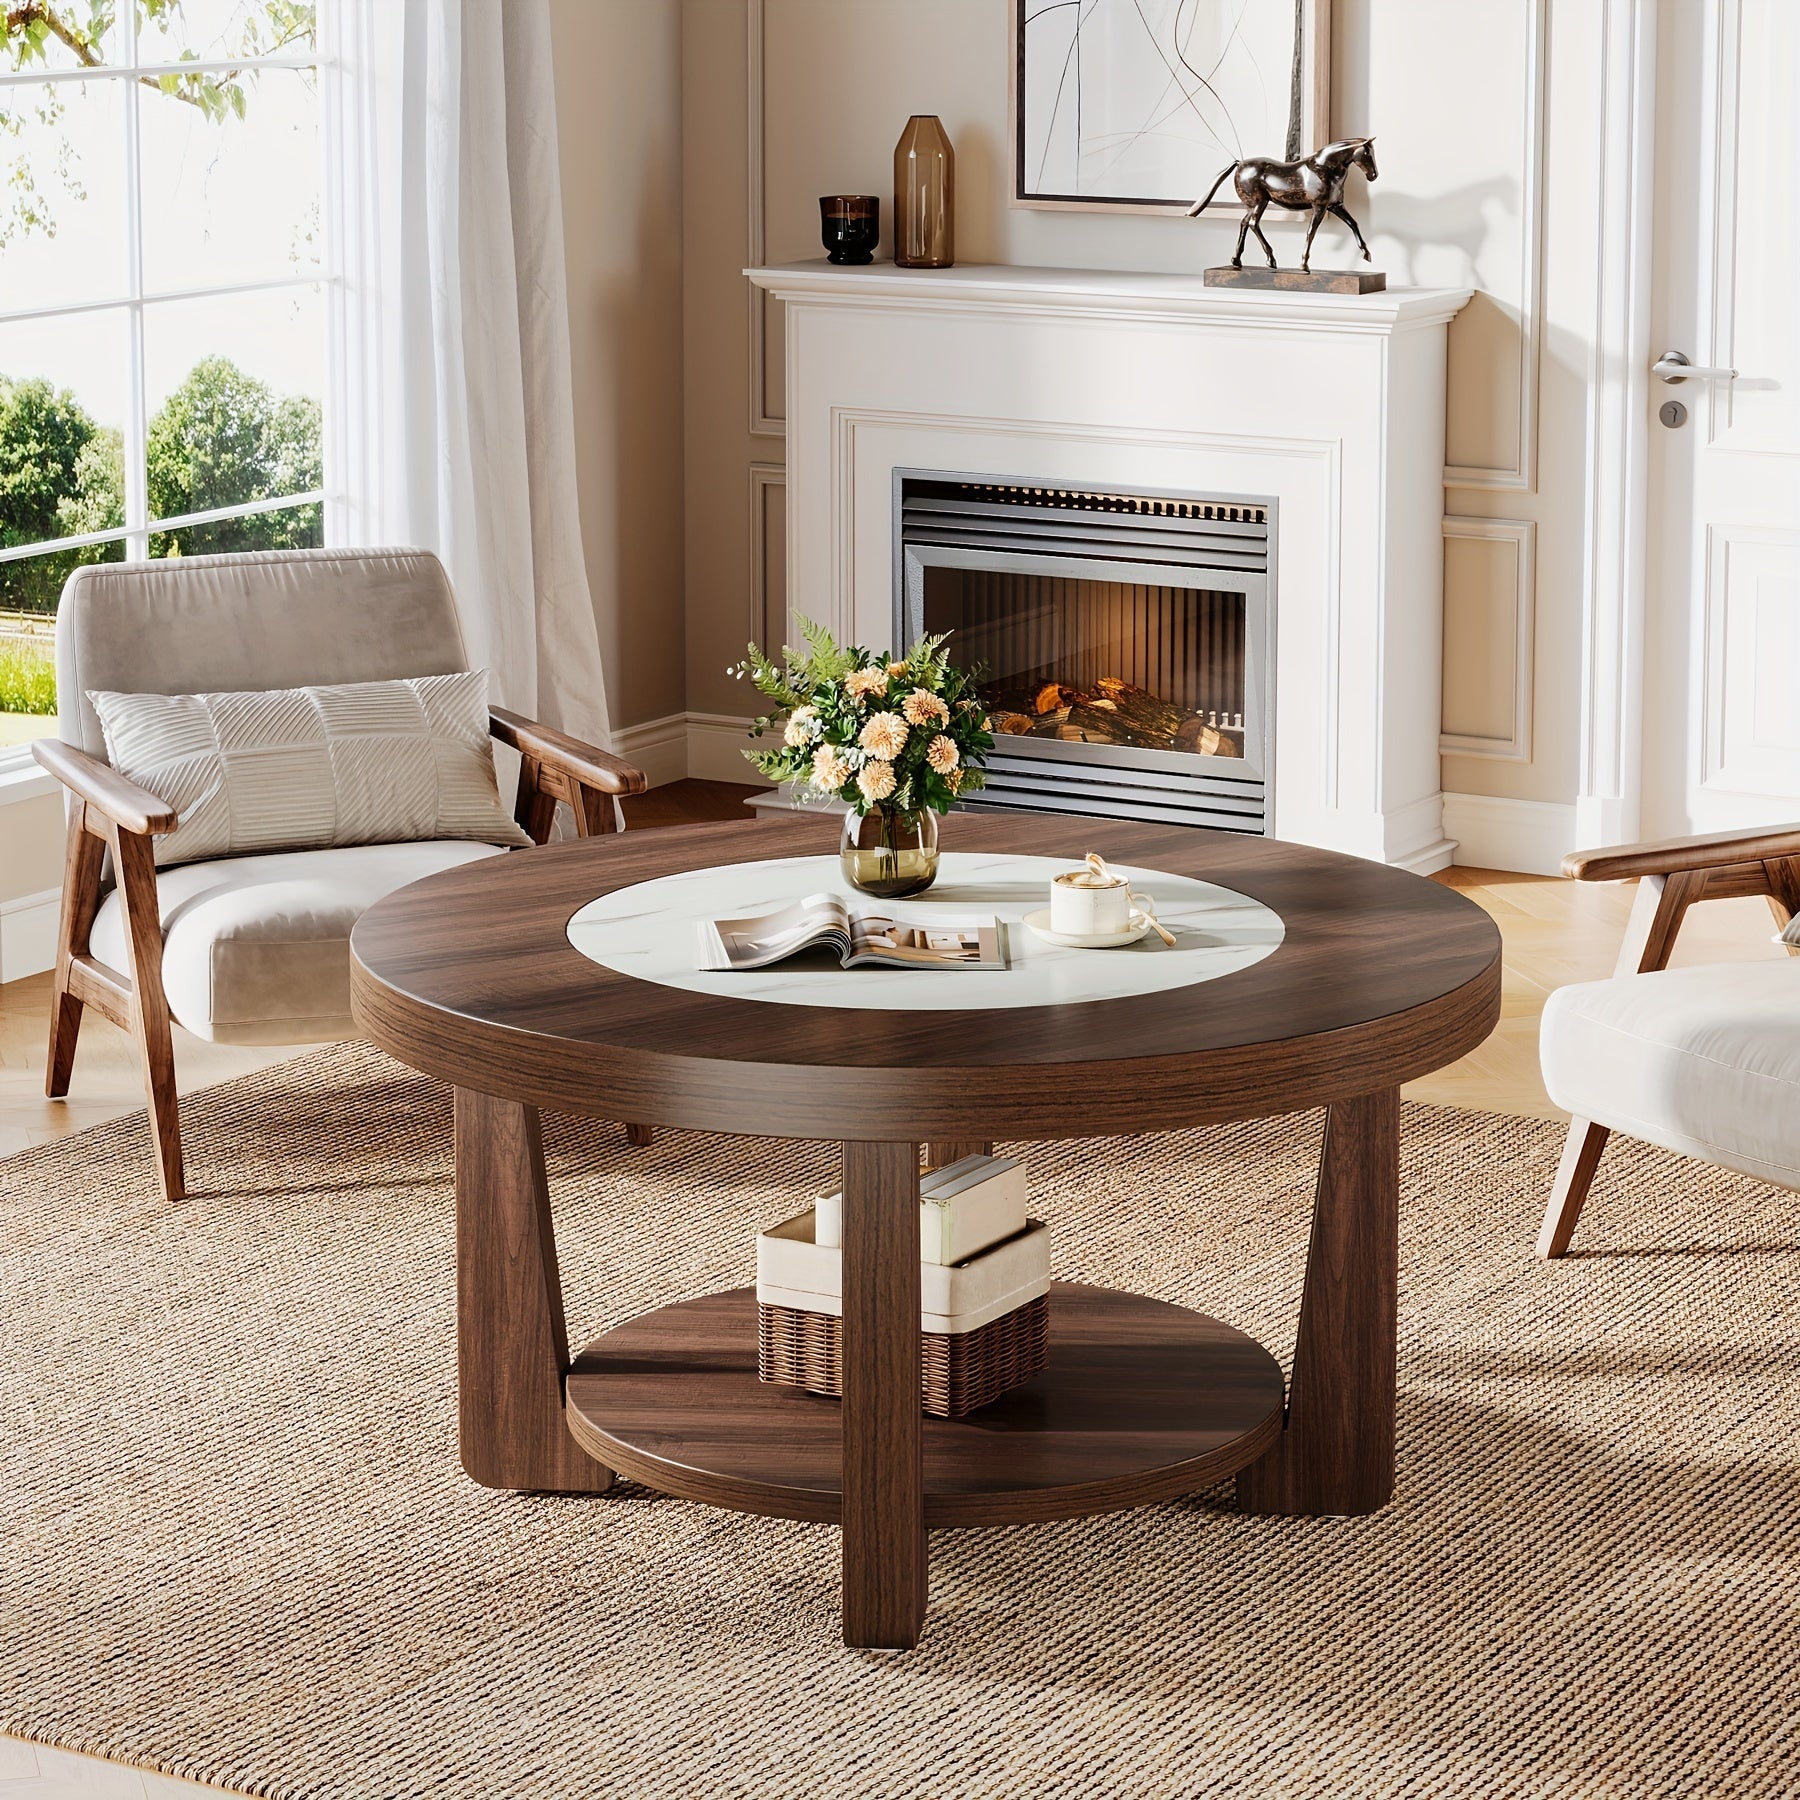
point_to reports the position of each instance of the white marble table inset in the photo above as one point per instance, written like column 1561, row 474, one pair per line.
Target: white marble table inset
column 648, row 931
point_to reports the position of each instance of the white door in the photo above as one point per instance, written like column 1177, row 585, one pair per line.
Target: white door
column 1722, row 643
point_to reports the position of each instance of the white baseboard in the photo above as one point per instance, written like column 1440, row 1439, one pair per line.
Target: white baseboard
column 658, row 747
column 1528, row 836
column 716, row 743
column 28, row 934
column 690, row 745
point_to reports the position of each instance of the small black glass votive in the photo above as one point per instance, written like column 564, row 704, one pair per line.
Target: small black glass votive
column 850, row 225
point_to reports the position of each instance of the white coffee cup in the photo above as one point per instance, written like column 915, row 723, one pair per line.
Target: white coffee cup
column 1094, row 902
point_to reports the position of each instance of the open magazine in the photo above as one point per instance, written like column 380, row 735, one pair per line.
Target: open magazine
column 866, row 935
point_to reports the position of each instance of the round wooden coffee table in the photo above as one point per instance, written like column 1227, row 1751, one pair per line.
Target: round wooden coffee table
column 1370, row 978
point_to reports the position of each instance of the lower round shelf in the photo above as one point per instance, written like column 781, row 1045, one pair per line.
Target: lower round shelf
column 1142, row 1400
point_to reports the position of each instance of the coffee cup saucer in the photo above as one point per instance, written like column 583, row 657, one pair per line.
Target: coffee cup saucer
column 1038, row 924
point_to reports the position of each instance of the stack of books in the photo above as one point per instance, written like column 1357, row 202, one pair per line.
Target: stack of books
column 984, row 1287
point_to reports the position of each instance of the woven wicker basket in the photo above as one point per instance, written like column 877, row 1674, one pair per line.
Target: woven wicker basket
column 958, row 1372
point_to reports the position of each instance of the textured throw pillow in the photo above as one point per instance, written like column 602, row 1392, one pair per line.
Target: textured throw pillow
column 370, row 762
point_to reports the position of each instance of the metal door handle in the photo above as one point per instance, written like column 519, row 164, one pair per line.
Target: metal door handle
column 1672, row 366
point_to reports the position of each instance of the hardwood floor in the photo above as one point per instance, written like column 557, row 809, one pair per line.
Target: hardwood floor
column 1554, row 932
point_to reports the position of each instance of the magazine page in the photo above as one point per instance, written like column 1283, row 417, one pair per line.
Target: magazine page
column 820, row 920
column 925, row 939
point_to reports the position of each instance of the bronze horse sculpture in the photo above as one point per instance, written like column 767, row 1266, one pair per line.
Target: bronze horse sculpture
column 1315, row 182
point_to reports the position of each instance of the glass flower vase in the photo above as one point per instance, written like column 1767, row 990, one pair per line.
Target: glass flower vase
column 889, row 853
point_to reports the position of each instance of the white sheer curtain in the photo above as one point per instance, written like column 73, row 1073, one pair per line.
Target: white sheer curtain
column 452, row 425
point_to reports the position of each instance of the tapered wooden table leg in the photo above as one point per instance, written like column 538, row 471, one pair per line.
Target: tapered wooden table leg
column 512, row 1344
column 1337, row 1452
column 884, row 1469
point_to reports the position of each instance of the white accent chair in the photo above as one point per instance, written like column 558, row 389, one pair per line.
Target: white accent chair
column 250, row 949
column 1705, row 1061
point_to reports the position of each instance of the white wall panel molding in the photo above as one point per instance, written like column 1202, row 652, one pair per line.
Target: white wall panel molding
column 1610, row 777
column 1521, row 473
column 763, row 423
column 1502, row 647
column 767, row 621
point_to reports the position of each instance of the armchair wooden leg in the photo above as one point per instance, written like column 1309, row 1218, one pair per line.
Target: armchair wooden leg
column 135, row 860
column 1574, row 1176
column 640, row 1137
column 82, row 863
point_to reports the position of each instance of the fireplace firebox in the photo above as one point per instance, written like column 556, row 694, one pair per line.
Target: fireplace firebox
column 1124, row 641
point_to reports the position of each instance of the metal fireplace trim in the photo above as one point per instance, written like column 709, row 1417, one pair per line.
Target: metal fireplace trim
column 1195, row 533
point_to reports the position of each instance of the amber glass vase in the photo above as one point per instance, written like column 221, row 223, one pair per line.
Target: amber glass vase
column 888, row 853
column 924, row 195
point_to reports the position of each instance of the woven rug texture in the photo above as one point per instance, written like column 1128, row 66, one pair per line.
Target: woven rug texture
column 238, row 1546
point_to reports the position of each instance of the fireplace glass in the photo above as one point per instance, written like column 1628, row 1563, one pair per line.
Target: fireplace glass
column 1082, row 661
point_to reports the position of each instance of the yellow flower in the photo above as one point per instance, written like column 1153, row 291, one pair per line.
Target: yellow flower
column 884, row 735
column 940, row 753
column 896, row 670
column 876, row 780
column 922, row 708
column 859, row 684
column 829, row 770
column 955, row 780
column 800, row 726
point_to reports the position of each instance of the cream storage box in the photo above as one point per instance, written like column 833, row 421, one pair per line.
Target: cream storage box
column 794, row 1271
column 963, row 1207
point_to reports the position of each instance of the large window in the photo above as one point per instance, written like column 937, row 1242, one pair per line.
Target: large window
column 162, row 298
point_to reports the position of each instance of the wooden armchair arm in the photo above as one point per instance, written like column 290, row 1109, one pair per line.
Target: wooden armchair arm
column 557, row 767
column 1669, row 856
column 593, row 768
column 1673, row 874
column 127, row 805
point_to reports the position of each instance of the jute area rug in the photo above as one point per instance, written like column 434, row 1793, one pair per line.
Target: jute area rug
column 238, row 1546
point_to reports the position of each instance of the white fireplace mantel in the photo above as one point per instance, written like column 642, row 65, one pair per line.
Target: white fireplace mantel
column 1329, row 406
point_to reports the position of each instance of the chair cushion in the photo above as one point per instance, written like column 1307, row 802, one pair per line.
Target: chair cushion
column 366, row 762
column 256, row 949
column 1704, row 1061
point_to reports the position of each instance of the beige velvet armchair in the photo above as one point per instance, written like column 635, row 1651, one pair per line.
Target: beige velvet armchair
column 249, row 949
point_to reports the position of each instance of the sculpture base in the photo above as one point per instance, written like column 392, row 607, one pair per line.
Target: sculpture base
column 1300, row 281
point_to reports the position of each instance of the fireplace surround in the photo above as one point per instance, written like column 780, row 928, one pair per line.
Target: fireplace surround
column 1123, row 641
column 1326, row 411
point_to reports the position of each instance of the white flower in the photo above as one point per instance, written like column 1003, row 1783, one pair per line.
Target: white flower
column 884, row 735
column 940, row 753
column 922, row 708
column 802, row 727
column 876, row 781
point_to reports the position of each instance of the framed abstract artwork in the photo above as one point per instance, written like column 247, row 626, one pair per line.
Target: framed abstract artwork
column 1137, row 105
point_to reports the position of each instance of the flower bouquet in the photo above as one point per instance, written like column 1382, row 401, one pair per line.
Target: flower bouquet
column 897, row 739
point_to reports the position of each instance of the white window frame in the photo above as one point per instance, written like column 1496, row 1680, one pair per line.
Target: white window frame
column 135, row 533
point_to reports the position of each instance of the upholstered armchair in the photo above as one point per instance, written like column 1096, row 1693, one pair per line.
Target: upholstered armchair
column 1704, row 1060
column 251, row 949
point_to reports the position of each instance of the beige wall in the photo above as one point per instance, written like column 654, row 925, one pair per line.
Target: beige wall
column 618, row 104
column 1467, row 119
